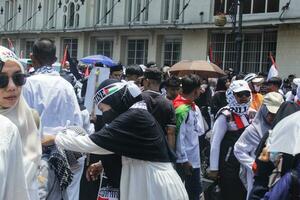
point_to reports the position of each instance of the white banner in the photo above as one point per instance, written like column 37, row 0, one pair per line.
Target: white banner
column 97, row 75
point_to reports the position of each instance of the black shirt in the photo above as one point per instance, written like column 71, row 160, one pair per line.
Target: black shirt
column 161, row 108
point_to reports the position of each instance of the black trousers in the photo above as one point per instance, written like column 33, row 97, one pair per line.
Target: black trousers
column 232, row 188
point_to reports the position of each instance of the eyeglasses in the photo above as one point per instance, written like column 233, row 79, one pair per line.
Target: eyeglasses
column 19, row 79
column 242, row 93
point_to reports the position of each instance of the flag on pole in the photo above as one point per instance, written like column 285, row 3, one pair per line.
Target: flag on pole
column 87, row 72
column 21, row 54
column 273, row 71
column 10, row 45
column 211, row 54
column 64, row 59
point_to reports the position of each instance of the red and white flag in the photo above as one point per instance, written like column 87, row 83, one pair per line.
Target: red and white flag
column 64, row 59
column 273, row 71
column 21, row 54
column 10, row 45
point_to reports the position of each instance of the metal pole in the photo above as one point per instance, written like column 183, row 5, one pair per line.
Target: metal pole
column 238, row 38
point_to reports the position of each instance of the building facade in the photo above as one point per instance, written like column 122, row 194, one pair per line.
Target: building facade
column 163, row 31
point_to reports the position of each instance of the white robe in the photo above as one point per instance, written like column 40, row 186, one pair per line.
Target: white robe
column 54, row 98
column 139, row 179
column 12, row 173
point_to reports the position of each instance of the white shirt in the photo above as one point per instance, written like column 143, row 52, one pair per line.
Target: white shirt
column 219, row 130
column 187, row 144
column 54, row 98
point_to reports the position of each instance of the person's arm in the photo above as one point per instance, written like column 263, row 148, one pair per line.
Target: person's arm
column 171, row 126
column 247, row 143
column 181, row 150
column 79, row 144
column 180, row 145
column 171, row 135
column 219, row 130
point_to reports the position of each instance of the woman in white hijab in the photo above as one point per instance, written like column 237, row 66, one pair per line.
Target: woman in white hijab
column 246, row 145
column 14, row 107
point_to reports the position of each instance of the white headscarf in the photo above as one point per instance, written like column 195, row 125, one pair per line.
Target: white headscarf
column 21, row 115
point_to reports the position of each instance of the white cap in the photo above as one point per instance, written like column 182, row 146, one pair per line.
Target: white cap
column 273, row 100
column 239, row 85
column 252, row 77
column 296, row 81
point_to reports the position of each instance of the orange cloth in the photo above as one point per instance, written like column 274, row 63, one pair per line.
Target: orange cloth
column 257, row 100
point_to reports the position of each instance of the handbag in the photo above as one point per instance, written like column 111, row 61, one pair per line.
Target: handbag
column 107, row 193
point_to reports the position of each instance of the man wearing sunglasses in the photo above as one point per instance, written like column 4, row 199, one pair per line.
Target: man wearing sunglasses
column 55, row 100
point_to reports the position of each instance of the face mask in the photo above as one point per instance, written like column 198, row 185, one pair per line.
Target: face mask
column 256, row 88
column 109, row 116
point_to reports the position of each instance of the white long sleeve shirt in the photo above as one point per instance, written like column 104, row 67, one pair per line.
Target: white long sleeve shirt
column 54, row 98
column 187, row 144
column 219, row 130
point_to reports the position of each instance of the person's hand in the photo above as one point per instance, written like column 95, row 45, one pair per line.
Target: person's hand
column 213, row 174
column 48, row 140
column 188, row 168
column 264, row 155
column 93, row 171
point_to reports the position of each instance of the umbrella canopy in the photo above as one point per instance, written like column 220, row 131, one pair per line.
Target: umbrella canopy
column 285, row 136
column 200, row 67
column 98, row 58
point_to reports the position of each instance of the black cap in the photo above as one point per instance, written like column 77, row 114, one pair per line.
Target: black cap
column 117, row 67
column 153, row 74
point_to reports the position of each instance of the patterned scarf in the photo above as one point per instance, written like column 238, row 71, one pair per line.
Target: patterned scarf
column 45, row 70
column 234, row 106
column 58, row 162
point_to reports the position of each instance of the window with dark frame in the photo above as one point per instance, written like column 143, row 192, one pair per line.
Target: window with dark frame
column 255, row 50
column 250, row 6
column 72, row 46
column 137, row 51
column 172, row 51
column 104, row 47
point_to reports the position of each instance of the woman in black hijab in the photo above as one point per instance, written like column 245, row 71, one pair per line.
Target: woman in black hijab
column 132, row 133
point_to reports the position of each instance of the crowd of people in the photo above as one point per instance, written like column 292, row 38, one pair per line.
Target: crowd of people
column 159, row 136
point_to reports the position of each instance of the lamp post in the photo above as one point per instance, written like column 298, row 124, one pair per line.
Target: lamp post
column 236, row 10
column 239, row 35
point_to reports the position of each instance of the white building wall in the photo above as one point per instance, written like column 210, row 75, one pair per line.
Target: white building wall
column 192, row 28
column 288, row 50
column 194, row 45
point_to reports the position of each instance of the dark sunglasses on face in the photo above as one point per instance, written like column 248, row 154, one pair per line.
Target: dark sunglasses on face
column 19, row 79
column 243, row 93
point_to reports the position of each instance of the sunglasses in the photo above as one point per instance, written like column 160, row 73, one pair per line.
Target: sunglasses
column 243, row 93
column 19, row 79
